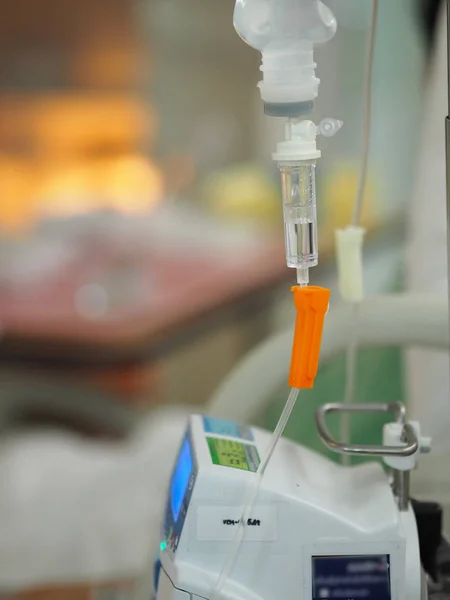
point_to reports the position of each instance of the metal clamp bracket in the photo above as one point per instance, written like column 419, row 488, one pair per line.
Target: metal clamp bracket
column 397, row 409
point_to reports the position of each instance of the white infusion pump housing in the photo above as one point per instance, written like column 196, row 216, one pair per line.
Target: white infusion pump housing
column 318, row 531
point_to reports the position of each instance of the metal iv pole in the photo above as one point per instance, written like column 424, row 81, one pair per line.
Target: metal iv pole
column 447, row 150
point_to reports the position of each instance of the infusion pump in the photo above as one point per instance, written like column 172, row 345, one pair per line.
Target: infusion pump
column 318, row 531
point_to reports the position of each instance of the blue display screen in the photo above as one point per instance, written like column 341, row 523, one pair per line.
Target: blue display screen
column 344, row 577
column 180, row 479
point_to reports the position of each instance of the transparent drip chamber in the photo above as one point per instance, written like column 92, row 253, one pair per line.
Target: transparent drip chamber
column 300, row 216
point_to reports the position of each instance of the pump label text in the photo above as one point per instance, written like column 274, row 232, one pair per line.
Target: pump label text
column 250, row 522
column 218, row 523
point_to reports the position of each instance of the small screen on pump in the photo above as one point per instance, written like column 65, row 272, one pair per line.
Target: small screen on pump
column 344, row 577
column 180, row 479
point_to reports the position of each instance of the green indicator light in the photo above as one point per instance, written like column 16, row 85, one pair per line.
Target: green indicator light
column 163, row 546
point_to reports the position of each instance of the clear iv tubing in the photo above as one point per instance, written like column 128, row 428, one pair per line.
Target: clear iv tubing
column 251, row 495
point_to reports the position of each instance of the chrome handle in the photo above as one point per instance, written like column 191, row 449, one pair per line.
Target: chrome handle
column 396, row 408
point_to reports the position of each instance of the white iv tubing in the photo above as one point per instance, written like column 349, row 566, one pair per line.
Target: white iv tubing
column 367, row 114
column 251, row 496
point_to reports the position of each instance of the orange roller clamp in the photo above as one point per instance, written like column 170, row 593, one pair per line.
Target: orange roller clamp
column 311, row 303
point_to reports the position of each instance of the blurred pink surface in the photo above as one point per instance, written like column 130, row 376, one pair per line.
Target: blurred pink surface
column 171, row 294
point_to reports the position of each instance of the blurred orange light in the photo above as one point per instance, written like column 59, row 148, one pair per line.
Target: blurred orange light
column 15, row 191
column 133, row 185
column 129, row 184
column 85, row 158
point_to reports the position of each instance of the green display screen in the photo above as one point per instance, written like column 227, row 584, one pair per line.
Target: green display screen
column 229, row 453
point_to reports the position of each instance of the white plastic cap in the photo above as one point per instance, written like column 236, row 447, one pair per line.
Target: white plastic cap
column 300, row 142
column 392, row 436
column 285, row 32
column 289, row 75
column 329, row 127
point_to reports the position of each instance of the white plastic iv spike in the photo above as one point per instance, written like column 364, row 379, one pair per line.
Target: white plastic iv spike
column 300, row 139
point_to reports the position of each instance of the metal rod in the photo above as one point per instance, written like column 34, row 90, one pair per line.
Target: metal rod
column 447, row 150
column 401, row 489
column 448, row 55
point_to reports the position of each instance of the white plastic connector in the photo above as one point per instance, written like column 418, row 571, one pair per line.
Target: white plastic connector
column 392, row 436
column 300, row 139
column 349, row 246
column 299, row 143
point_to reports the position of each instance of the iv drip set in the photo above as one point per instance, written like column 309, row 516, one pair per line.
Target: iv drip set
column 250, row 515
